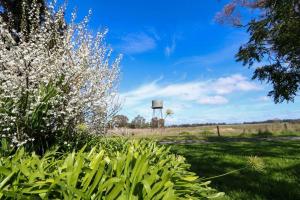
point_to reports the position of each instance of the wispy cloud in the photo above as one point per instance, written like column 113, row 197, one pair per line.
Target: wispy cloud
column 170, row 48
column 135, row 43
column 153, row 32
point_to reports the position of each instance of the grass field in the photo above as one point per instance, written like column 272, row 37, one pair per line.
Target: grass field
column 236, row 130
column 280, row 180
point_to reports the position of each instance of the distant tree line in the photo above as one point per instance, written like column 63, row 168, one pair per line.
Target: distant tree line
column 254, row 122
column 275, row 121
column 122, row 121
column 196, row 125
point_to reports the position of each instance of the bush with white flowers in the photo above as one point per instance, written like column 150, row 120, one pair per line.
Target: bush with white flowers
column 53, row 77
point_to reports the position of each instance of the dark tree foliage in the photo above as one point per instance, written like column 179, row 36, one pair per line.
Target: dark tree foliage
column 16, row 14
column 138, row 122
column 121, row 120
column 275, row 42
column 12, row 11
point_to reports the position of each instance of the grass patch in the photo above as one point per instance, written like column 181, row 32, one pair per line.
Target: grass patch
column 206, row 133
column 281, row 179
column 182, row 137
column 264, row 133
column 184, row 133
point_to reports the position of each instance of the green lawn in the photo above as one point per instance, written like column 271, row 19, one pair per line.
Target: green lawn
column 281, row 179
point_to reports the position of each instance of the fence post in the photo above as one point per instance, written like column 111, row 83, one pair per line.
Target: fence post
column 218, row 131
column 285, row 127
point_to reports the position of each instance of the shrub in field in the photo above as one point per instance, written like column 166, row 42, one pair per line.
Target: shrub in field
column 137, row 170
column 54, row 77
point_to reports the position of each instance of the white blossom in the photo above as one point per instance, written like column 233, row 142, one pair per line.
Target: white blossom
column 56, row 51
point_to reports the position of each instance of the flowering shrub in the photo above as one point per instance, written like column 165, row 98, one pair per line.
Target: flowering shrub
column 53, row 78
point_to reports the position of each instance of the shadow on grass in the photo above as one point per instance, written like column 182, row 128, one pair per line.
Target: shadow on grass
column 281, row 179
column 246, row 147
column 181, row 137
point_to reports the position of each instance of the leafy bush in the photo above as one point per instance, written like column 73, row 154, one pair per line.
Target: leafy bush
column 137, row 170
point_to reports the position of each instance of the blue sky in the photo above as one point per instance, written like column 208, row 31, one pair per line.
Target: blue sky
column 175, row 51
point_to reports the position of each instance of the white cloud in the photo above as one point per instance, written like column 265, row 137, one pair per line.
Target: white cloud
column 208, row 92
column 226, row 85
column 213, row 100
column 136, row 43
column 201, row 101
column 264, row 99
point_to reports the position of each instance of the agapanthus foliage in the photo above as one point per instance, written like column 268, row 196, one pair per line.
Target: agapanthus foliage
column 55, row 77
column 113, row 169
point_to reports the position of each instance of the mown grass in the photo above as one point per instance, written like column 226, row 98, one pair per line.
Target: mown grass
column 280, row 180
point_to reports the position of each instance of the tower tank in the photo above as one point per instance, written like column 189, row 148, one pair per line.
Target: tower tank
column 157, row 117
column 157, row 104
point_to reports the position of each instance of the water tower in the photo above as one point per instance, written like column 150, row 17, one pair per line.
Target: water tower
column 157, row 116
